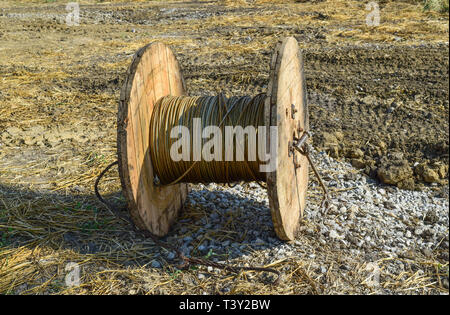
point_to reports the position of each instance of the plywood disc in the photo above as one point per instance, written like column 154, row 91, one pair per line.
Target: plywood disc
column 286, row 108
column 153, row 73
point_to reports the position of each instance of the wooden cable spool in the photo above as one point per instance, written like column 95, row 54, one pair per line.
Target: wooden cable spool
column 155, row 73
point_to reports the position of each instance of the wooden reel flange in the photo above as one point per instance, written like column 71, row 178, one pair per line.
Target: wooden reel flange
column 155, row 73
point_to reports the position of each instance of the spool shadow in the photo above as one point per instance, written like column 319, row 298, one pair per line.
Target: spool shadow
column 222, row 223
column 218, row 225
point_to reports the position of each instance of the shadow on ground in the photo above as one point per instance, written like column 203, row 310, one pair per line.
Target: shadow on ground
column 213, row 224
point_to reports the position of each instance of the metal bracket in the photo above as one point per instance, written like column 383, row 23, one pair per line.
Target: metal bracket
column 293, row 111
column 298, row 143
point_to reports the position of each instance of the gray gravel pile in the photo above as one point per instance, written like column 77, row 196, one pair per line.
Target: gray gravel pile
column 366, row 220
column 377, row 219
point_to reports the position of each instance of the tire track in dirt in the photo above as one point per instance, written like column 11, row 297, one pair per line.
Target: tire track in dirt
column 385, row 101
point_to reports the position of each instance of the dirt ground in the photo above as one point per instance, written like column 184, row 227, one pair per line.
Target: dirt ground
column 378, row 98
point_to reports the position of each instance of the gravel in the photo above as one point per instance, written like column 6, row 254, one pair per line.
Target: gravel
column 156, row 264
column 366, row 219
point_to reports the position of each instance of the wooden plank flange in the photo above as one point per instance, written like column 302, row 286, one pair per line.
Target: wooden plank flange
column 286, row 108
column 153, row 73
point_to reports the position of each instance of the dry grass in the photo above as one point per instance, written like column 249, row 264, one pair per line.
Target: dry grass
column 38, row 229
column 48, row 215
column 440, row 6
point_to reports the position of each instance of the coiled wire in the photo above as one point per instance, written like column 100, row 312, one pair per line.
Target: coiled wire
column 173, row 111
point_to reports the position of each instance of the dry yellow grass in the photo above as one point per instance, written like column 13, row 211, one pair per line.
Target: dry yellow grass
column 42, row 73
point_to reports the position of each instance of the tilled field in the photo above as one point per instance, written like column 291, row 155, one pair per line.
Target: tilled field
column 378, row 101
